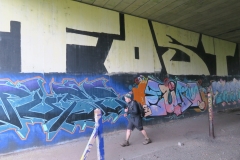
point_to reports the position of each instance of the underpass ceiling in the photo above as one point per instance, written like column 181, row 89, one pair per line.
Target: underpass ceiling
column 217, row 18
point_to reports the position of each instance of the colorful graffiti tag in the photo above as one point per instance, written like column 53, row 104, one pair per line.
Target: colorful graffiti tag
column 167, row 96
column 70, row 104
column 226, row 93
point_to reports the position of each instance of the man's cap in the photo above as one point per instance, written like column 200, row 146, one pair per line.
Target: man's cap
column 128, row 95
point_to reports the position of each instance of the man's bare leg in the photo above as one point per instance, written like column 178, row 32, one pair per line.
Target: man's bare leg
column 147, row 139
column 144, row 134
column 128, row 134
column 126, row 142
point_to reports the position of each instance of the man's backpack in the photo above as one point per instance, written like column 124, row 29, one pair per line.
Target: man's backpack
column 140, row 109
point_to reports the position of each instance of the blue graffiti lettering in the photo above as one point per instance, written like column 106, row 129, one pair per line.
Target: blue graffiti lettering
column 68, row 105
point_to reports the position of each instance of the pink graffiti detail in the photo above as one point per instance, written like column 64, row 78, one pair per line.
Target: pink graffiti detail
column 171, row 97
column 177, row 110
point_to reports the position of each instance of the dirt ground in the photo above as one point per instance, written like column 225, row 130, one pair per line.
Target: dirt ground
column 192, row 133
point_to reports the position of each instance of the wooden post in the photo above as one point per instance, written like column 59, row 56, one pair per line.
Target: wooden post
column 210, row 113
column 97, row 135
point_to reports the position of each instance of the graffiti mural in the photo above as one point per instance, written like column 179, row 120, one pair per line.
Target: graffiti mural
column 69, row 105
column 166, row 49
column 226, row 93
column 168, row 96
column 163, row 97
column 84, row 57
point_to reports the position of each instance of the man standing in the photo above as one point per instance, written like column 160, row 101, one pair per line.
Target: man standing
column 135, row 120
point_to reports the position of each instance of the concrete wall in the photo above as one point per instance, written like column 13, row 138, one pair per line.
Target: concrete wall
column 59, row 60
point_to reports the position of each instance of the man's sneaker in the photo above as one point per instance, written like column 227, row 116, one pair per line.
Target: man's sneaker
column 125, row 143
column 147, row 141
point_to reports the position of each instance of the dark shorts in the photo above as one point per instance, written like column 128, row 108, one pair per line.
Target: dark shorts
column 135, row 122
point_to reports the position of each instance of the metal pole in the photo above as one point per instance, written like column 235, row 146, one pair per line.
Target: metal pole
column 97, row 135
column 89, row 145
column 99, row 140
column 210, row 113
